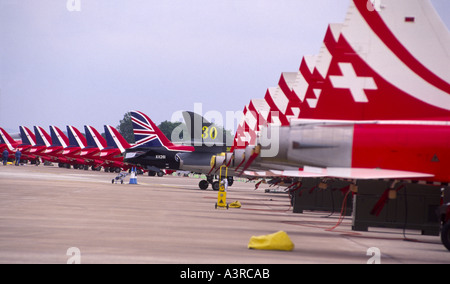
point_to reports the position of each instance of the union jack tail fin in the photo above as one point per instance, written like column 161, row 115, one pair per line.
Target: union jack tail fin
column 146, row 133
column 115, row 140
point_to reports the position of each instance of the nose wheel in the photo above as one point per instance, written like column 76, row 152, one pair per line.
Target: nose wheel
column 203, row 184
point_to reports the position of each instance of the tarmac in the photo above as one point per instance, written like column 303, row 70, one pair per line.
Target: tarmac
column 54, row 215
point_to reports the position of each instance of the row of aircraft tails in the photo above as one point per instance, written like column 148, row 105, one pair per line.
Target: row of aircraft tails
column 73, row 149
column 374, row 103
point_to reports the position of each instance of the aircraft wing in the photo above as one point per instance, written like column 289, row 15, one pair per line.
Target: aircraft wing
column 362, row 173
column 302, row 174
column 354, row 173
column 260, row 174
column 307, row 172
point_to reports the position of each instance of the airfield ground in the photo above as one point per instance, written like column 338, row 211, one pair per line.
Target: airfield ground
column 44, row 211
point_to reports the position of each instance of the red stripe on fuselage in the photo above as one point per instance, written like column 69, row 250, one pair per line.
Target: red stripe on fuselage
column 415, row 148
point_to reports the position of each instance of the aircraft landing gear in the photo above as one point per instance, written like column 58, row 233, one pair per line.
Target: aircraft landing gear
column 216, row 185
column 203, row 184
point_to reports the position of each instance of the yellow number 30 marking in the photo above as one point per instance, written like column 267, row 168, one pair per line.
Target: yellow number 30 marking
column 211, row 133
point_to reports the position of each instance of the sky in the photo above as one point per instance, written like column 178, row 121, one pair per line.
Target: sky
column 92, row 65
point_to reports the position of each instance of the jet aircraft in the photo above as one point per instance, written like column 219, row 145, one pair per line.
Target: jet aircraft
column 348, row 114
column 154, row 151
column 373, row 104
column 8, row 143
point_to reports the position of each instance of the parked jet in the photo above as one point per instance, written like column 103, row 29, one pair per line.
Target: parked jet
column 112, row 155
column 59, row 143
column 95, row 143
column 154, row 151
column 77, row 142
column 28, row 142
column 43, row 141
column 7, row 142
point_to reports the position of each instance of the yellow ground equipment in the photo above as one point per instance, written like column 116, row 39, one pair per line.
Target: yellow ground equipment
column 235, row 204
column 222, row 195
column 277, row 241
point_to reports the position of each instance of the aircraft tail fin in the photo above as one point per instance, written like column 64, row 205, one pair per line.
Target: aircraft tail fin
column 115, row 140
column 201, row 131
column 146, row 132
column 28, row 138
column 42, row 137
column 58, row 137
column 195, row 124
column 76, row 138
column 94, row 138
column 384, row 63
column 6, row 139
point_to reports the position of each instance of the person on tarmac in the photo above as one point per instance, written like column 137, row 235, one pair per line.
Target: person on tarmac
column 18, row 155
column 5, row 157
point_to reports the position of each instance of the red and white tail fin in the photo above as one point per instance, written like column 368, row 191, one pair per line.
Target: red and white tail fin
column 385, row 62
column 388, row 62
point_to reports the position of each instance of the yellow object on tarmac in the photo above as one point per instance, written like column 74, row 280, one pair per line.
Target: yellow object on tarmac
column 235, row 204
column 222, row 199
column 222, row 194
column 277, row 241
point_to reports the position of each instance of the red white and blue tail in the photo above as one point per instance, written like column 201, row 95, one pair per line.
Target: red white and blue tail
column 93, row 138
column 76, row 138
column 42, row 137
column 28, row 137
column 147, row 134
column 115, row 140
column 58, row 137
column 5, row 138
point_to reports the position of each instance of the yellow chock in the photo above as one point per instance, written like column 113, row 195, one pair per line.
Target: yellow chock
column 277, row 241
column 235, row 204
